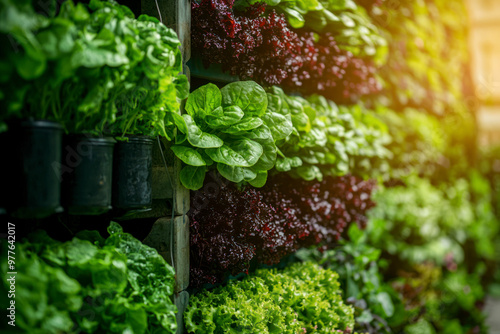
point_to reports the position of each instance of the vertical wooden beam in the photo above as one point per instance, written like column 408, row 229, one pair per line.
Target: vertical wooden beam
column 175, row 14
column 181, row 300
column 172, row 247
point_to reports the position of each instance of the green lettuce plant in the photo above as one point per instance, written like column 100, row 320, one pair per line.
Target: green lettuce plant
column 91, row 285
column 94, row 69
column 303, row 298
column 244, row 132
column 441, row 247
column 361, row 279
column 21, row 57
column 230, row 130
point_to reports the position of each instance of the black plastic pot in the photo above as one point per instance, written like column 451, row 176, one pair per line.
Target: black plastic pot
column 87, row 174
column 32, row 158
column 132, row 172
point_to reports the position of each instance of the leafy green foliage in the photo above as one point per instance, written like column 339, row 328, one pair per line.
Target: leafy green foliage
column 231, row 130
column 360, row 278
column 441, row 243
column 150, row 104
column 434, row 222
column 244, row 132
column 301, row 298
column 331, row 140
column 440, row 149
column 92, row 68
column 21, row 57
column 418, row 141
column 92, row 285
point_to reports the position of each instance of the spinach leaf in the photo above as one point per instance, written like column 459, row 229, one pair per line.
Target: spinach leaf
column 230, row 115
column 192, row 177
column 225, row 130
column 246, row 124
column 247, row 95
column 309, row 138
column 198, row 138
column 239, row 153
column 236, row 174
column 188, row 155
column 203, row 101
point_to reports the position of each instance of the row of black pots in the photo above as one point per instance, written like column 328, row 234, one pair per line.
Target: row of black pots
column 46, row 171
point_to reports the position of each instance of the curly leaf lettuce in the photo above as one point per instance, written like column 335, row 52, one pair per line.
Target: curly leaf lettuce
column 301, row 298
column 92, row 285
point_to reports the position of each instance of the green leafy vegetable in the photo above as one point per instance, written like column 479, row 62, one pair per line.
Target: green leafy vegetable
column 360, row 278
column 248, row 132
column 439, row 242
column 91, row 285
column 332, row 140
column 92, row 68
column 301, row 298
column 230, row 127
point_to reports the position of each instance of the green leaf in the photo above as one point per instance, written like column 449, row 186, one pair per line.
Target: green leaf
column 295, row 19
column 301, row 121
column 385, row 301
column 355, row 234
column 198, row 138
column 365, row 317
column 182, row 87
column 280, row 125
column 310, row 173
column 188, row 155
column 246, row 124
column 421, row 327
column 262, row 135
column 180, row 138
column 247, row 95
column 286, row 164
column 79, row 252
column 92, row 56
column 203, row 101
column 192, row 177
column 236, row 174
column 231, row 115
column 240, row 153
column 260, row 180
column 179, row 121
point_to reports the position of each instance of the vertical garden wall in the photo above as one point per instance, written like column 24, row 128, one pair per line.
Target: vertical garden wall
column 243, row 167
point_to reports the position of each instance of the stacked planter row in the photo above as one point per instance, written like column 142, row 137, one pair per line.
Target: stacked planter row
column 128, row 88
column 122, row 87
column 90, row 175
